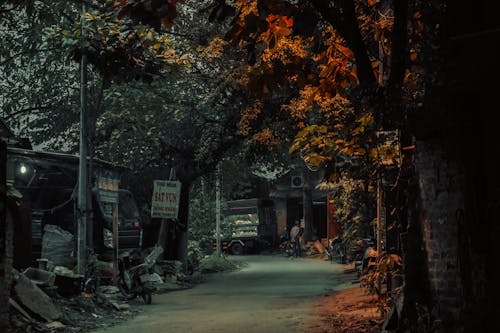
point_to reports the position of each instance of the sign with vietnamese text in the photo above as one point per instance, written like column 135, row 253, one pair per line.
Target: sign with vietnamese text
column 107, row 182
column 165, row 201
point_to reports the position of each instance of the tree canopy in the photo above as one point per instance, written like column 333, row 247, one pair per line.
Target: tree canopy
column 328, row 75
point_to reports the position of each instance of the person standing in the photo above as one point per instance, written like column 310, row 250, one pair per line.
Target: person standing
column 295, row 234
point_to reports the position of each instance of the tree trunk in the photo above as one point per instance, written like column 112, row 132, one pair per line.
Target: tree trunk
column 439, row 196
column 416, row 283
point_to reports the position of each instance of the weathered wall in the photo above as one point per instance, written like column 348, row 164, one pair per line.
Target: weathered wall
column 280, row 206
column 440, row 198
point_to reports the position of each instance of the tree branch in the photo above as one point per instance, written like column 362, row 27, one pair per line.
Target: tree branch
column 30, row 109
column 341, row 15
column 399, row 56
column 25, row 52
column 399, row 50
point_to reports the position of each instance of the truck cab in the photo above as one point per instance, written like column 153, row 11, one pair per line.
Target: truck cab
column 129, row 220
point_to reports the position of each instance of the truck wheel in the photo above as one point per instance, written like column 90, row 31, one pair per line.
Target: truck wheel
column 236, row 249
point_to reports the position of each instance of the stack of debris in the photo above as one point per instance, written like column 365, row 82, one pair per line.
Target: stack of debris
column 52, row 298
column 36, row 304
column 49, row 298
column 315, row 249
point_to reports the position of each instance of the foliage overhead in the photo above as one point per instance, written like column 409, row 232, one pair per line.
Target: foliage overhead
column 123, row 40
column 327, row 75
column 39, row 89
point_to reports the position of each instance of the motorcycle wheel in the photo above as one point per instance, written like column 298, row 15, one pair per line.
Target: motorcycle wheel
column 122, row 286
column 146, row 297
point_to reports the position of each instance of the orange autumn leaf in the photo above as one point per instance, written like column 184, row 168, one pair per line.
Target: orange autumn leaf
column 288, row 21
column 270, row 21
column 344, row 50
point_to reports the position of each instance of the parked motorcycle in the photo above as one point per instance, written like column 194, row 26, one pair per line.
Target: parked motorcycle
column 286, row 248
column 336, row 250
column 365, row 256
column 134, row 277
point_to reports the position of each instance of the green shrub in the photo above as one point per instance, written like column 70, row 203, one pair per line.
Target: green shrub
column 213, row 263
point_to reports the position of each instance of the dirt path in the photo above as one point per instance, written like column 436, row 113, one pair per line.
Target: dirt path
column 271, row 294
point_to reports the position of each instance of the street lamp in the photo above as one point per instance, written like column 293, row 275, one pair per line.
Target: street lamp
column 23, row 169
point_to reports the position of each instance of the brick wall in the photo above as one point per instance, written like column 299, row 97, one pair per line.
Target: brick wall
column 440, row 198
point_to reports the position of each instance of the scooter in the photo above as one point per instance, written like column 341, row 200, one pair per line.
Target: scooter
column 286, row 248
column 361, row 254
column 134, row 278
column 336, row 250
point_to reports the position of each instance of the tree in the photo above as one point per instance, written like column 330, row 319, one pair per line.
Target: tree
column 166, row 125
column 344, row 70
column 309, row 68
column 197, row 104
column 128, row 49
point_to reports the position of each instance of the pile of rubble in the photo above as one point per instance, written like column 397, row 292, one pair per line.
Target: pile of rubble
column 52, row 298
column 42, row 302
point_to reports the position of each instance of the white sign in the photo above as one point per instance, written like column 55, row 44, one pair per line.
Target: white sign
column 165, row 202
column 107, row 184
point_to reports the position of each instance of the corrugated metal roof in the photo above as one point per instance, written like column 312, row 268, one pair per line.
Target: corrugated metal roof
column 56, row 157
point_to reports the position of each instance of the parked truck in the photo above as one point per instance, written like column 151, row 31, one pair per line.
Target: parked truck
column 47, row 182
column 252, row 226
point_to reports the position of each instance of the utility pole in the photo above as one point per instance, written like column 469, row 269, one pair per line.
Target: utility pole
column 217, row 210
column 379, row 215
column 379, row 173
column 82, row 168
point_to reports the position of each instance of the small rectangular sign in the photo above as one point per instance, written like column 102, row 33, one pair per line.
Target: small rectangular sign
column 107, row 182
column 166, row 197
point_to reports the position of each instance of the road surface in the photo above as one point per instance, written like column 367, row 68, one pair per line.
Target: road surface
column 272, row 294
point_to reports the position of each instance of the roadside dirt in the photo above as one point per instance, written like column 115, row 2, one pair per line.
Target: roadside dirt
column 347, row 311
